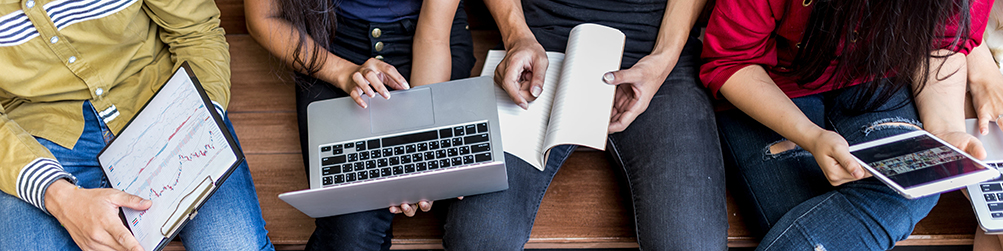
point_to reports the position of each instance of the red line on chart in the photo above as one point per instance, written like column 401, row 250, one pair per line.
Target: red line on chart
column 179, row 128
column 167, row 187
column 197, row 153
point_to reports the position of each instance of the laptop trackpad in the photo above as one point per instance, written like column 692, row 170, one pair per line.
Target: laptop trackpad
column 404, row 110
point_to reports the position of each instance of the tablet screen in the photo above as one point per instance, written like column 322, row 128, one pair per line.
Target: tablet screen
column 916, row 161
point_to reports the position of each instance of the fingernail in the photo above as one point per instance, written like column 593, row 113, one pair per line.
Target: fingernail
column 393, row 210
column 536, row 91
column 406, row 85
column 406, row 207
column 524, row 106
column 608, row 77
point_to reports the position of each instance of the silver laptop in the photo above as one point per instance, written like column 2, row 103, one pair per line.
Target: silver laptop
column 431, row 142
column 987, row 197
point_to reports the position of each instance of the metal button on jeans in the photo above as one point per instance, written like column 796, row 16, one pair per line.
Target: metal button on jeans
column 377, row 32
column 379, row 57
column 379, row 46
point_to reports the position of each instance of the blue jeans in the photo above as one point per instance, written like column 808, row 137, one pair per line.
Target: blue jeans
column 787, row 198
column 670, row 155
column 229, row 220
column 371, row 230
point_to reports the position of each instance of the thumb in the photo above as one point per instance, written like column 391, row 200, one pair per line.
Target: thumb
column 849, row 163
column 975, row 148
column 620, row 77
column 123, row 199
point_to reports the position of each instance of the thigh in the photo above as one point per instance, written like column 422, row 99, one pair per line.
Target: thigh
column 461, row 46
column 502, row 220
column 768, row 184
column 25, row 227
column 672, row 158
column 231, row 218
column 369, row 230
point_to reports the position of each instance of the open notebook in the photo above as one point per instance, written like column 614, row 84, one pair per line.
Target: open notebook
column 575, row 105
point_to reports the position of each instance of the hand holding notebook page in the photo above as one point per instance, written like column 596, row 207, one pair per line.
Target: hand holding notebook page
column 575, row 104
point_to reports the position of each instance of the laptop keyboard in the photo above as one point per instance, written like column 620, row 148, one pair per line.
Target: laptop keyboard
column 423, row 151
column 992, row 191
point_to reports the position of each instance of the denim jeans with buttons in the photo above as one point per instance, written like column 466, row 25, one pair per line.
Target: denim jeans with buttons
column 229, row 220
column 358, row 41
column 786, row 197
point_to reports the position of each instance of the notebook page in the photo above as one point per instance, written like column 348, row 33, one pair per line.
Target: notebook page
column 523, row 131
column 584, row 102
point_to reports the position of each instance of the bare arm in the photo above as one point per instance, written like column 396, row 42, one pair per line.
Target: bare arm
column 280, row 38
column 753, row 91
column 941, row 104
column 522, row 70
column 638, row 84
column 432, row 62
column 986, row 85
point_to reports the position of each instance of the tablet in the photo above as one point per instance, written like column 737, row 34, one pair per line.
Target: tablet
column 917, row 164
column 175, row 152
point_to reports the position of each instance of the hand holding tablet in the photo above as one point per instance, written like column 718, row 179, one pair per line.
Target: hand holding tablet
column 917, row 164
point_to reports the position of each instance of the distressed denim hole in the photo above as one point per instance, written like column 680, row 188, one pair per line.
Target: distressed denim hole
column 782, row 146
column 782, row 149
column 891, row 123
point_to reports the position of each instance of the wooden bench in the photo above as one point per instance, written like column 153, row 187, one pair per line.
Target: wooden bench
column 573, row 214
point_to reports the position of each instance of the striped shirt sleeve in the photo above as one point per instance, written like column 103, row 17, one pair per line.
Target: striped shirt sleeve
column 36, row 177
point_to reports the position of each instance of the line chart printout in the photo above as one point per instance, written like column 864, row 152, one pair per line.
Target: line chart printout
column 172, row 153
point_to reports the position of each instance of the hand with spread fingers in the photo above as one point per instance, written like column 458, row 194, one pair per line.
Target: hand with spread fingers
column 373, row 76
column 91, row 215
column 635, row 87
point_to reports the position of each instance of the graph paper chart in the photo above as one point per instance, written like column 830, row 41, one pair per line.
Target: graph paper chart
column 172, row 153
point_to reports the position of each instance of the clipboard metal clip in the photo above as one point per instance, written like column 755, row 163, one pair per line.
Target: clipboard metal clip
column 189, row 213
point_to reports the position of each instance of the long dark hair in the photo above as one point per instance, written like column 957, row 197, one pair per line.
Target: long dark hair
column 877, row 39
column 314, row 18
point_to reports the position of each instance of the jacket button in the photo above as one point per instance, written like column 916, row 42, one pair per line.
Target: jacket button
column 377, row 32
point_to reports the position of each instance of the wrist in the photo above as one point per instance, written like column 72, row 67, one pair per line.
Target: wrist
column 55, row 193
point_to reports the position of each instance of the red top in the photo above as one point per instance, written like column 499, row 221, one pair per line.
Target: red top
column 767, row 32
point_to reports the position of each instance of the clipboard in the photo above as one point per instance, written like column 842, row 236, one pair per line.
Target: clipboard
column 178, row 173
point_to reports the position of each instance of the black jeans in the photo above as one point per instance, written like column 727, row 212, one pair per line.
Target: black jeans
column 353, row 41
column 670, row 154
